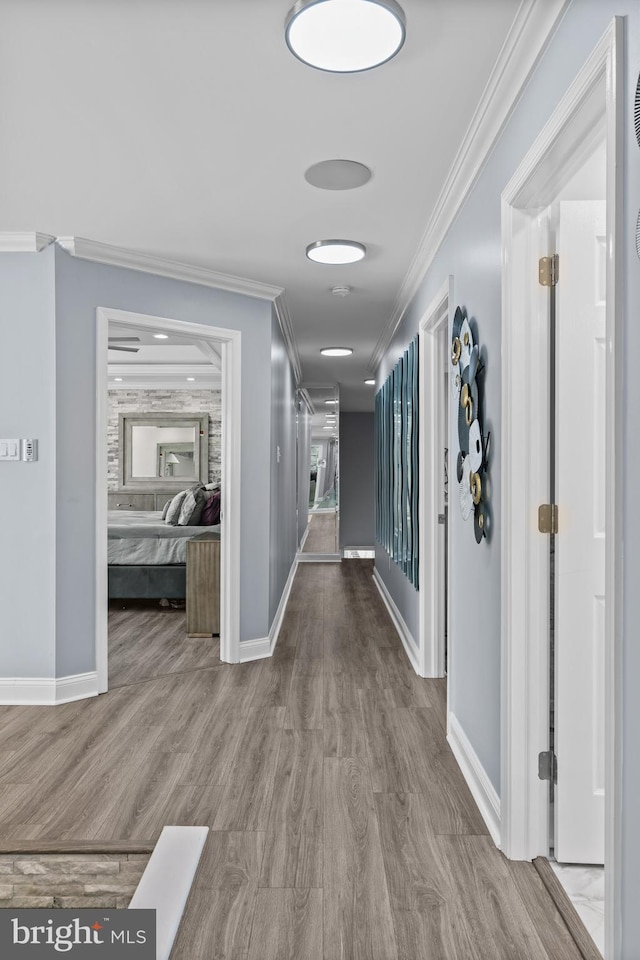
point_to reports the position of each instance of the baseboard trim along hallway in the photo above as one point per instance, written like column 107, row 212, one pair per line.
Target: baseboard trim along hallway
column 482, row 790
column 409, row 644
column 47, row 691
column 264, row 646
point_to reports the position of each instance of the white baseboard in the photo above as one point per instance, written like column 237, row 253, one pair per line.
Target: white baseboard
column 409, row 644
column 47, row 691
column 304, row 538
column 264, row 646
column 319, row 557
column 481, row 788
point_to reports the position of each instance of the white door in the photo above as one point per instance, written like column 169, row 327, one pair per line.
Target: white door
column 580, row 543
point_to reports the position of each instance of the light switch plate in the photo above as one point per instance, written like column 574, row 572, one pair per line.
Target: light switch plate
column 9, row 449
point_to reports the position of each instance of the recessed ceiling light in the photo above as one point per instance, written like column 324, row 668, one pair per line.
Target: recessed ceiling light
column 161, row 336
column 118, row 379
column 337, row 175
column 327, row 428
column 336, row 251
column 331, row 401
column 190, row 378
column 370, row 383
column 336, row 351
column 345, row 36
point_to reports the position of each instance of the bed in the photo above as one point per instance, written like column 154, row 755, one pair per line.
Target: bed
column 146, row 556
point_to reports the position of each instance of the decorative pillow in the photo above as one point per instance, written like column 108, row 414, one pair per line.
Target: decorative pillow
column 211, row 512
column 173, row 512
column 192, row 506
column 165, row 509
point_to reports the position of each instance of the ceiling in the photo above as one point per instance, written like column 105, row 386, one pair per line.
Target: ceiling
column 183, row 128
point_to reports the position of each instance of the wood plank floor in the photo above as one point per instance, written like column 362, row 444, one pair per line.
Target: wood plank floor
column 322, row 536
column 341, row 826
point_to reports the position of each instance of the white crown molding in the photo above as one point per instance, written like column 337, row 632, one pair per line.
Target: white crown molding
column 24, row 242
column 286, row 326
column 135, row 260
column 147, row 263
column 525, row 43
column 168, row 371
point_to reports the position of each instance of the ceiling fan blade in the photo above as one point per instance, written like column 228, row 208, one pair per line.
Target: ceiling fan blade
column 124, row 349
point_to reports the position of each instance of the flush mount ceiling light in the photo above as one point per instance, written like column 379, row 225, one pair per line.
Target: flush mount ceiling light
column 118, row 379
column 345, row 36
column 336, row 251
column 161, row 336
column 370, row 383
column 191, row 378
column 331, row 401
column 336, row 352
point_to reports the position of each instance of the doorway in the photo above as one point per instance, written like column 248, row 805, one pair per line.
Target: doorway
column 434, row 472
column 561, row 503
column 214, row 342
column 321, row 539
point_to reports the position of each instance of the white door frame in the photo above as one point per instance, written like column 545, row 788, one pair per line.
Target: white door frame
column 590, row 110
column 431, row 574
column 230, row 341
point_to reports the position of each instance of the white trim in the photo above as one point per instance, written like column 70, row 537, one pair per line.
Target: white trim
column 482, row 790
column 231, row 445
column 165, row 374
column 430, row 569
column 409, row 644
column 24, row 242
column 264, row 646
column 534, row 22
column 595, row 95
column 304, row 537
column 147, row 263
column 167, row 880
column 47, row 691
column 286, row 326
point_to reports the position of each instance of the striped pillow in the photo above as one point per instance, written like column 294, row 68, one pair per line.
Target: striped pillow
column 192, row 507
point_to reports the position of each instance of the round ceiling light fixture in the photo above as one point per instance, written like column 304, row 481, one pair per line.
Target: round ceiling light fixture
column 336, row 352
column 336, row 251
column 118, row 379
column 161, row 336
column 331, row 401
column 191, row 379
column 370, row 383
column 338, row 175
column 345, row 36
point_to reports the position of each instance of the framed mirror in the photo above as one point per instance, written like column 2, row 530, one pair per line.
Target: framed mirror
column 167, row 451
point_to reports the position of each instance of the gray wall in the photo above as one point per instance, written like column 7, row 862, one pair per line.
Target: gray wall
column 283, row 531
column 82, row 286
column 28, row 490
column 471, row 252
column 164, row 401
column 357, row 524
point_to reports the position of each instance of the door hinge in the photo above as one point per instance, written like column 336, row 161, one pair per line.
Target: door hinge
column 549, row 270
column 548, row 518
column 548, row 766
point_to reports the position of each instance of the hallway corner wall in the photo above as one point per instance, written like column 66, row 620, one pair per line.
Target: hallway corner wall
column 357, row 527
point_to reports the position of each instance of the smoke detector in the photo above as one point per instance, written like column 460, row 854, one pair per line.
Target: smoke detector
column 341, row 291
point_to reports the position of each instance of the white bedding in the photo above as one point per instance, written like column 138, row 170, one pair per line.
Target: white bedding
column 139, row 537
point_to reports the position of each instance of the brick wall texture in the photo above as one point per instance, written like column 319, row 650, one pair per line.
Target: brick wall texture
column 70, row 880
column 165, row 401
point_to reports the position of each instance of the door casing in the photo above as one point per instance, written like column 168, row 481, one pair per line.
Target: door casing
column 593, row 101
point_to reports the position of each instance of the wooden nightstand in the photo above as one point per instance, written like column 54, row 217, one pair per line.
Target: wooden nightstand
column 203, row 585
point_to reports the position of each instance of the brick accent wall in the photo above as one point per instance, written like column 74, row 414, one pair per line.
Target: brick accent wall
column 70, row 880
column 165, row 401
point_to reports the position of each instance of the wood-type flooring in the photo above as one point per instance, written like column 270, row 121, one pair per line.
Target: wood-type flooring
column 322, row 537
column 341, row 826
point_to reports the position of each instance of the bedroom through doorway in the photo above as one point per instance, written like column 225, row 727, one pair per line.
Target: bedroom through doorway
column 162, row 459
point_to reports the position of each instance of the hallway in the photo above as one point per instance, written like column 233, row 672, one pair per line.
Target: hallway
column 341, row 824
